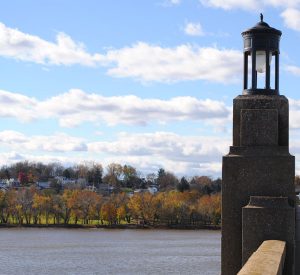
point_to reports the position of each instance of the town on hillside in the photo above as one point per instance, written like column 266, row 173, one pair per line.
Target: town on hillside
column 91, row 176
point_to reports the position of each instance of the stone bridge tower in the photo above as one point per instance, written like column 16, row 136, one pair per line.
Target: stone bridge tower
column 258, row 194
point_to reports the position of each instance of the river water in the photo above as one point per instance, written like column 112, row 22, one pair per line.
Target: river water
column 100, row 251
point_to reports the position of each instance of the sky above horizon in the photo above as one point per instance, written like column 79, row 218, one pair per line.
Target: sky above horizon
column 145, row 83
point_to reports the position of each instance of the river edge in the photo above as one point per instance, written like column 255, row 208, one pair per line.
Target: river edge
column 118, row 226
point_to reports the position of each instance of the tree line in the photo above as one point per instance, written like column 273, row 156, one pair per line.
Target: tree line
column 180, row 201
column 74, row 206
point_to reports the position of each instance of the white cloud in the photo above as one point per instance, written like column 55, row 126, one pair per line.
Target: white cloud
column 17, row 105
column 166, row 144
column 181, row 154
column 292, row 69
column 27, row 47
column 290, row 15
column 282, row 3
column 189, row 155
column 294, row 113
column 146, row 62
column 233, row 4
column 140, row 61
column 294, row 119
column 146, row 151
column 174, row 2
column 193, row 29
column 256, row 5
column 54, row 143
column 76, row 107
column 8, row 158
column 291, row 18
column 170, row 3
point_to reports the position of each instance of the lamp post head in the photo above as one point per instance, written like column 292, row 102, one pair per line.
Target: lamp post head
column 261, row 43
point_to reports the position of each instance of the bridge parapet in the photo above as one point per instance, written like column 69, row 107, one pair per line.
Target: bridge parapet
column 268, row 259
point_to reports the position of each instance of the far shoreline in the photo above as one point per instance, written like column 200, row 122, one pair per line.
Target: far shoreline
column 118, row 226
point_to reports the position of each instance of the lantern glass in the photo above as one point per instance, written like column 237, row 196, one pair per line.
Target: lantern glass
column 261, row 61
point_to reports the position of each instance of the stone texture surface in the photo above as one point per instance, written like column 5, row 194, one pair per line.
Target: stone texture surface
column 259, row 127
column 253, row 170
column 267, row 260
column 269, row 218
column 279, row 103
column 242, row 177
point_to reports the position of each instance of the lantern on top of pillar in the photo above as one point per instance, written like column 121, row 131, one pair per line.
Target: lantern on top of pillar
column 261, row 47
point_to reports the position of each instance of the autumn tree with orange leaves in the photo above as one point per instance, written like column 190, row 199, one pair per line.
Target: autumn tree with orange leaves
column 75, row 206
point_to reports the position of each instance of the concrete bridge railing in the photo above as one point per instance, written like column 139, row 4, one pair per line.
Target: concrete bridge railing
column 268, row 259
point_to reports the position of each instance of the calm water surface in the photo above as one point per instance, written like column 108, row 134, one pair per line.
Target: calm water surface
column 99, row 251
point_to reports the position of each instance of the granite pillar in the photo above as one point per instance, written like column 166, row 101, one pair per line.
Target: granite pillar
column 258, row 164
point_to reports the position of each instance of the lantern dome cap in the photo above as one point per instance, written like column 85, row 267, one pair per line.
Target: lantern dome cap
column 261, row 24
column 262, row 27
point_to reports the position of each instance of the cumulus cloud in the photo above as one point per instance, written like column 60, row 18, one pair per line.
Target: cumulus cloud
column 146, row 62
column 232, row 4
column 76, row 107
column 141, row 61
column 290, row 15
column 175, row 2
column 171, row 2
column 294, row 113
column 249, row 4
column 54, row 143
column 193, row 29
column 293, row 69
column 166, row 144
column 17, row 105
column 185, row 154
column 181, row 154
column 146, row 151
column 27, row 47
column 8, row 158
column 294, row 120
column 291, row 18
column 188, row 155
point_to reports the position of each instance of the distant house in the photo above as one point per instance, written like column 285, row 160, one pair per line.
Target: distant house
column 64, row 181
column 3, row 186
column 152, row 189
column 105, row 189
column 140, row 191
column 43, row 185
column 12, row 183
column 130, row 194
column 91, row 188
column 3, row 183
column 81, row 181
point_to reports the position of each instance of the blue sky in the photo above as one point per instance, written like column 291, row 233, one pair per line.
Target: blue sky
column 145, row 83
